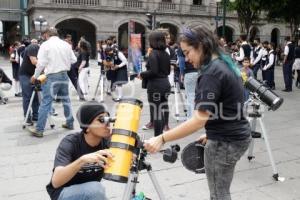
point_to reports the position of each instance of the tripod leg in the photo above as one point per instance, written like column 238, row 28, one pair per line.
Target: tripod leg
column 96, row 90
column 156, row 185
column 264, row 132
column 176, row 84
column 183, row 101
column 251, row 147
column 102, row 87
column 28, row 109
column 129, row 191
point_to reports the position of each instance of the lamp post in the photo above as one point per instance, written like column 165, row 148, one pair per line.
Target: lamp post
column 40, row 21
column 225, row 2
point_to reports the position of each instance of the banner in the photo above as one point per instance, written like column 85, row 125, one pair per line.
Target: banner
column 136, row 53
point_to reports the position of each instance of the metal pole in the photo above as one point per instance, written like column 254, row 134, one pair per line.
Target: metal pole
column 154, row 20
column 224, row 17
column 217, row 20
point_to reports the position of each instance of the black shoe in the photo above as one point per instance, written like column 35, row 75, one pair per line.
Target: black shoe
column 29, row 122
column 286, row 90
column 69, row 127
column 18, row 95
column 255, row 134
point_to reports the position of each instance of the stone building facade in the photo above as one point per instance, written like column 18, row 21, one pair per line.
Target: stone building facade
column 99, row 19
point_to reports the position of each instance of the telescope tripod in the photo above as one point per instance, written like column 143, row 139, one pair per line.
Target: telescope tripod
column 177, row 95
column 37, row 90
column 139, row 165
column 254, row 116
column 100, row 84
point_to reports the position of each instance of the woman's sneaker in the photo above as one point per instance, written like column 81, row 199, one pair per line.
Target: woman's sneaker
column 148, row 126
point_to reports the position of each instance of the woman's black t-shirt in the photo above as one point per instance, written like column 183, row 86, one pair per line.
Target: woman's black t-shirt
column 220, row 92
column 83, row 56
column 71, row 148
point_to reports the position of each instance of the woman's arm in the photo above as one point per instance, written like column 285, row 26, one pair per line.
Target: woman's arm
column 153, row 67
column 197, row 122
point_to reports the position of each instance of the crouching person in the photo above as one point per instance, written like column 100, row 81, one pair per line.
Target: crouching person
column 5, row 85
column 81, row 157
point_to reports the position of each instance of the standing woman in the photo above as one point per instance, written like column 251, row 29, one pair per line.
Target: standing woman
column 83, row 69
column 156, row 76
column 15, row 69
column 218, row 107
column 118, row 74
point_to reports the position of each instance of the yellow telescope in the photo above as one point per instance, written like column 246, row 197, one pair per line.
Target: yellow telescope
column 123, row 140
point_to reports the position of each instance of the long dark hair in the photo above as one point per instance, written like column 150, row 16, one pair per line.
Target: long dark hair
column 204, row 38
column 157, row 40
column 209, row 43
column 83, row 45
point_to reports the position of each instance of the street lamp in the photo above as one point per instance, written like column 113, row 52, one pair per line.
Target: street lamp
column 225, row 2
column 40, row 21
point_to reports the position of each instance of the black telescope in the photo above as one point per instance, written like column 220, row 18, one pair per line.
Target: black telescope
column 264, row 94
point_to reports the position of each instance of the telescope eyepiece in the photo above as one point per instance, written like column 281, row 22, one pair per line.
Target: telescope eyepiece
column 106, row 120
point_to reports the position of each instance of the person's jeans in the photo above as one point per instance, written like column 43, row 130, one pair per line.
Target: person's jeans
column 27, row 90
column 190, row 80
column 288, row 75
column 220, row 158
column 85, row 191
column 56, row 85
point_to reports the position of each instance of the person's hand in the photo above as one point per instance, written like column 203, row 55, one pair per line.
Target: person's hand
column 202, row 139
column 101, row 157
column 154, row 144
column 139, row 77
column 79, row 69
column 32, row 80
column 264, row 68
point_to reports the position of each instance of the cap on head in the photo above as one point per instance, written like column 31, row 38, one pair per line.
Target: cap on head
column 87, row 113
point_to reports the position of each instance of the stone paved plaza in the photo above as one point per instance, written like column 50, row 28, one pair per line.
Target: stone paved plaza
column 26, row 162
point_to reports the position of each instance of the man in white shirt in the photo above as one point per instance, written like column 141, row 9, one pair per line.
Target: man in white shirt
column 289, row 56
column 269, row 67
column 245, row 50
column 55, row 57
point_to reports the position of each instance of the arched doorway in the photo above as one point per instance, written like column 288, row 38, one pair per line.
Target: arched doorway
column 228, row 33
column 78, row 28
column 254, row 33
column 123, row 36
column 173, row 30
column 275, row 34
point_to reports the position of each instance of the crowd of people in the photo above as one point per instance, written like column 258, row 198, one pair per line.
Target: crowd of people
column 210, row 71
column 264, row 56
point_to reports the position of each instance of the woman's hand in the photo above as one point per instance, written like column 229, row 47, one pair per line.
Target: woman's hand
column 202, row 139
column 154, row 144
column 101, row 157
column 139, row 77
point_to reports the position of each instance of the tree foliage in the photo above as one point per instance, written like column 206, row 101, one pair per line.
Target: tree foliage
column 285, row 10
column 248, row 11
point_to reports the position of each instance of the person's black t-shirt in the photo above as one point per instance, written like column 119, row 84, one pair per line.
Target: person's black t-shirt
column 27, row 68
column 71, row 148
column 20, row 51
column 220, row 92
column 83, row 56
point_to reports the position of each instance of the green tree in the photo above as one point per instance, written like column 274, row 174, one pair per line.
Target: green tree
column 248, row 11
column 287, row 11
